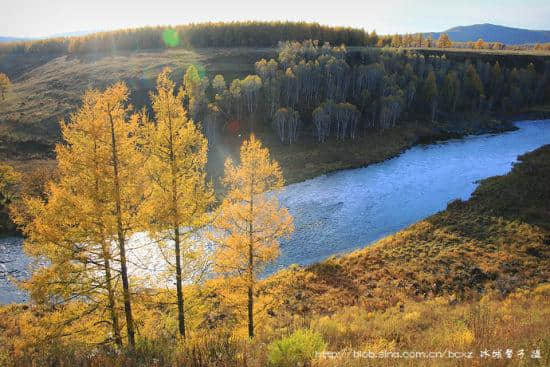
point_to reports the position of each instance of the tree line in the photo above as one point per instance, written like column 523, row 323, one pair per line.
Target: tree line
column 232, row 34
column 121, row 173
column 328, row 91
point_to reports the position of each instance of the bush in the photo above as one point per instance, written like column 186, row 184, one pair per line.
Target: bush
column 297, row 349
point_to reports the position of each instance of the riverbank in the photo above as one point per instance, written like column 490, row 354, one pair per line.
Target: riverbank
column 309, row 159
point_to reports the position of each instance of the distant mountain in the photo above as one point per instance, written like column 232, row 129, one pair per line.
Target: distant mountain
column 494, row 33
column 72, row 34
column 12, row 39
column 4, row 39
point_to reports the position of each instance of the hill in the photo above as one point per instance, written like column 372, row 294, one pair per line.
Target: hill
column 4, row 39
column 494, row 33
column 48, row 87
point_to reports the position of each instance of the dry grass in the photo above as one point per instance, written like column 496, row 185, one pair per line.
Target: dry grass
column 518, row 322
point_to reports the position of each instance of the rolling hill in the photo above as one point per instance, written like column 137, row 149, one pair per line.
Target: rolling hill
column 48, row 88
column 494, row 33
column 4, row 39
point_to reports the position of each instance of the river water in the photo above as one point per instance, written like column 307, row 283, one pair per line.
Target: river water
column 349, row 209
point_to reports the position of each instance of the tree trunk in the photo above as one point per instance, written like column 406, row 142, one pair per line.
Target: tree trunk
column 250, row 311
column 177, row 248
column 251, row 265
column 111, row 297
column 121, row 242
column 179, row 290
column 107, row 268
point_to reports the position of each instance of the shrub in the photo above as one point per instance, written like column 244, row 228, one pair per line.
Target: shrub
column 297, row 349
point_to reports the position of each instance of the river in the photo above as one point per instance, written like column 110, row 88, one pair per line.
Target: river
column 346, row 210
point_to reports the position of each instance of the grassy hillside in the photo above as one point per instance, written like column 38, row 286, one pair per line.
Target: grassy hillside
column 46, row 89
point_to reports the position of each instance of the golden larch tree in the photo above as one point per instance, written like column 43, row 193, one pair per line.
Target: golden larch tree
column 73, row 228
column 123, row 180
column 5, row 85
column 250, row 221
column 10, row 182
column 444, row 41
column 178, row 195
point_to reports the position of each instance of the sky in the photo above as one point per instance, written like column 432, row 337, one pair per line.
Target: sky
column 38, row 18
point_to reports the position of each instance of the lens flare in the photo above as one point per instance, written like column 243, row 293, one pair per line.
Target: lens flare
column 171, row 37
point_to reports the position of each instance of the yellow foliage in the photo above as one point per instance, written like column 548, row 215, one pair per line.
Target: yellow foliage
column 249, row 221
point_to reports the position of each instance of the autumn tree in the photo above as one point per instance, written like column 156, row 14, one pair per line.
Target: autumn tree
column 396, row 40
column 473, row 87
column 195, row 93
column 286, row 122
column 429, row 42
column 444, row 41
column 88, row 213
column 123, row 180
column 5, row 85
column 479, row 44
column 178, row 195
column 218, row 84
column 322, row 120
column 250, row 87
column 451, row 91
column 373, row 38
column 250, row 221
column 10, row 180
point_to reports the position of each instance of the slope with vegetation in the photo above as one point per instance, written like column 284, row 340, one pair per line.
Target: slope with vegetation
column 50, row 75
column 496, row 241
column 378, row 89
column 47, row 89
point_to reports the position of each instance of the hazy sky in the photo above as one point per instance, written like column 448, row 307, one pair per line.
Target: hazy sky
column 32, row 18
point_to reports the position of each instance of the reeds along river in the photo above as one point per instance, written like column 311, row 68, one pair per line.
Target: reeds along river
column 345, row 210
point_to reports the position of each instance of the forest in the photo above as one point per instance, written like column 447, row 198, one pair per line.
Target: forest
column 314, row 96
column 330, row 92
